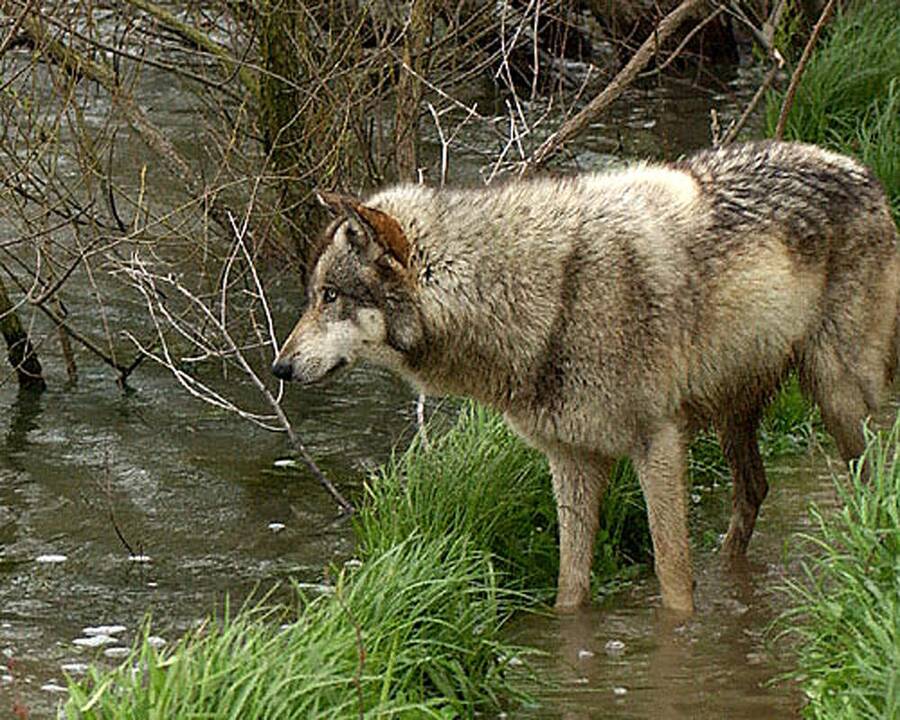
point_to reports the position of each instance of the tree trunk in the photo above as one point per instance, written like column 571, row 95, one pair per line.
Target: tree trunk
column 21, row 352
column 283, row 132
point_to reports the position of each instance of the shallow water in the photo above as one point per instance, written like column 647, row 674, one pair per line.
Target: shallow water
column 629, row 659
column 195, row 494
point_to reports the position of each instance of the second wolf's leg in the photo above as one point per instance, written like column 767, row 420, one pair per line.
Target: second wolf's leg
column 737, row 436
column 661, row 468
column 579, row 480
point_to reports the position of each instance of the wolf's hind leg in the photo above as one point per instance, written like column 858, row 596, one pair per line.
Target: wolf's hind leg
column 661, row 469
column 579, row 480
column 842, row 400
column 737, row 436
column 844, row 414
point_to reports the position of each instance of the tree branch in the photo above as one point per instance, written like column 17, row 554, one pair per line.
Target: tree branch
column 617, row 85
column 82, row 66
column 801, row 66
column 200, row 40
column 16, row 26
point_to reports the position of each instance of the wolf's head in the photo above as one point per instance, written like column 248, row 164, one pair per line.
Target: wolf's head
column 361, row 297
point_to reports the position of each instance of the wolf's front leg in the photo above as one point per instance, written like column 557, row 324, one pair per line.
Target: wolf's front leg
column 662, row 471
column 579, row 480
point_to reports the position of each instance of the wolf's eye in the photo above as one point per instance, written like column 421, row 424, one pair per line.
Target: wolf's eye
column 329, row 295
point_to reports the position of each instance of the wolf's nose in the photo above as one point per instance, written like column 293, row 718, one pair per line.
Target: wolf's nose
column 282, row 369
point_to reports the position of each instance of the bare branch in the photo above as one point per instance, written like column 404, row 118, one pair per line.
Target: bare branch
column 16, row 26
column 200, row 40
column 801, row 66
column 616, row 87
column 731, row 135
column 82, row 66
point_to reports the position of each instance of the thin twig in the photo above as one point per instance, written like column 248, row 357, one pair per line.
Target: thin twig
column 771, row 24
column 801, row 66
column 687, row 39
column 214, row 317
column 16, row 26
column 107, row 489
column 777, row 64
column 298, row 445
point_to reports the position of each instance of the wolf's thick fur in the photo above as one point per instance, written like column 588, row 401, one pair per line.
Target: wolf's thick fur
column 615, row 314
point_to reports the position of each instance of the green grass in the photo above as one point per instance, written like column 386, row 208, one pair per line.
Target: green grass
column 845, row 615
column 481, row 482
column 414, row 632
column 848, row 98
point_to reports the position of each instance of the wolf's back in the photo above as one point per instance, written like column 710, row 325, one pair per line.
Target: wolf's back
column 813, row 198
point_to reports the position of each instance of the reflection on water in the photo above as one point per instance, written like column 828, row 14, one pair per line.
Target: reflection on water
column 24, row 414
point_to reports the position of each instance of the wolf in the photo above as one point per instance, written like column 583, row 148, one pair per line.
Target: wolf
column 618, row 313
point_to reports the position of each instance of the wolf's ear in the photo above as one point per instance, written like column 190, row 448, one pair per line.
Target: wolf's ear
column 387, row 233
column 379, row 226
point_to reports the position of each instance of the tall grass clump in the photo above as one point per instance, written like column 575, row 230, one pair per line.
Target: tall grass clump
column 480, row 481
column 845, row 615
column 848, row 98
column 414, row 632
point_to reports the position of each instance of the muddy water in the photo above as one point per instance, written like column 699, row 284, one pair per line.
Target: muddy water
column 200, row 500
column 629, row 659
